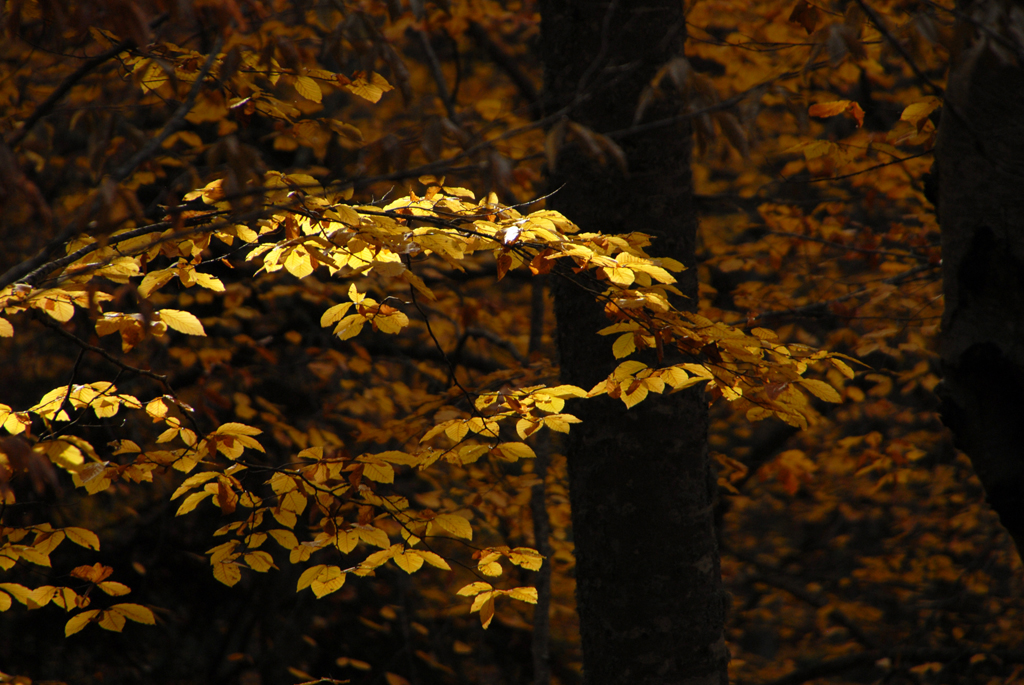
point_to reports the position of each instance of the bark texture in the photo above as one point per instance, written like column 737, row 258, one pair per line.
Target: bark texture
column 980, row 163
column 642, row 487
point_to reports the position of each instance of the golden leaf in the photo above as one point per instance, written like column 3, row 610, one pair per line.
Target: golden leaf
column 820, row 389
column 183, row 322
column 135, row 612
column 83, row 538
column 80, row 621
column 308, row 88
column 524, row 594
column 451, row 523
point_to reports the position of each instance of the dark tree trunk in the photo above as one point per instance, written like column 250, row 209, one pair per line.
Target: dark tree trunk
column 980, row 162
column 642, row 487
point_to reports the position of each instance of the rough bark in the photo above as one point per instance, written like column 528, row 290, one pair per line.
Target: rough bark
column 649, row 591
column 980, row 163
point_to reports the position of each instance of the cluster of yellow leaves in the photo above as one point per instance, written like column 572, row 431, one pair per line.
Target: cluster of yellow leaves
column 484, row 594
column 46, row 539
column 323, row 230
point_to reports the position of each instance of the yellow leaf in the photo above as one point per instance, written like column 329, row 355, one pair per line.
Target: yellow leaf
column 474, row 589
column 618, row 275
column 410, row 561
column 434, row 560
column 183, row 322
column 469, row 454
column 918, row 112
column 83, row 538
column 514, row 451
column 524, row 594
column 843, row 367
column 831, row 109
column 457, row 431
column 6, row 329
column 113, row 588
column 135, row 612
column 624, row 346
column 820, row 389
column 20, row 592
column 112, row 621
column 191, row 502
column 259, row 561
column 527, row 558
column 492, row 568
column 308, row 88
column 486, row 612
column 367, row 90
column 237, row 429
column 298, row 263
column 329, row 580
column 378, row 472
column 372, row 535
column 80, row 621
column 227, row 573
column 209, row 282
column 451, row 523
column 193, row 481
column 395, row 679
column 308, row 576
column 285, row 538
column 638, row 395
column 392, row 323
column 334, row 314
